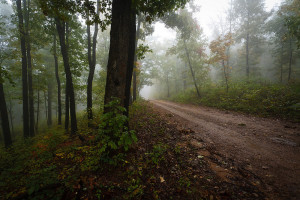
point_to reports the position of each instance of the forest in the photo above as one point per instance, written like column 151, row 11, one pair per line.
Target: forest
column 133, row 99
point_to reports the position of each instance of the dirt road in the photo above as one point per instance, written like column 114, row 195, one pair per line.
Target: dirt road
column 265, row 151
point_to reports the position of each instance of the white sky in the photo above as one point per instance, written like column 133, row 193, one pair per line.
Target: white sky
column 210, row 12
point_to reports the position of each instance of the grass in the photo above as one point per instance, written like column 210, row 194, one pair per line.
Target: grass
column 266, row 100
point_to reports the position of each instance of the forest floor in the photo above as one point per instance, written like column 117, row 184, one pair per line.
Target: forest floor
column 239, row 148
column 182, row 152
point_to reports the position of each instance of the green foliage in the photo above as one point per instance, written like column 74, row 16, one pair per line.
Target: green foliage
column 28, row 167
column 156, row 155
column 249, row 97
column 114, row 134
column 142, row 50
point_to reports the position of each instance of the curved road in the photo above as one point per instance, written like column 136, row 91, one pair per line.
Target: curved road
column 267, row 148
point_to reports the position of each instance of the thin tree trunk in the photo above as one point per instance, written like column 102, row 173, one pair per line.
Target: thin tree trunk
column 4, row 118
column 168, row 86
column 247, row 49
column 10, row 113
column 29, row 65
column 24, row 72
column 134, row 87
column 92, row 64
column 63, row 32
column 225, row 75
column 45, row 104
column 121, row 53
column 191, row 68
column 230, row 30
column 281, row 62
column 49, row 121
column 184, row 77
column 291, row 60
column 67, row 109
column 37, row 110
column 57, row 80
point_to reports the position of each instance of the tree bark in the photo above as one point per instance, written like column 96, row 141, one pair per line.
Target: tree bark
column 67, row 109
column 24, row 72
column 10, row 113
column 37, row 110
column 29, row 66
column 281, row 62
column 62, row 30
column 225, row 75
column 121, row 53
column 45, row 104
column 49, row 121
column 130, row 62
column 4, row 118
column 135, row 59
column 191, row 68
column 92, row 64
column 57, row 80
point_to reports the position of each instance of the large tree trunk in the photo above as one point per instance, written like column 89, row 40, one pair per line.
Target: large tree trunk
column 92, row 64
column 121, row 53
column 130, row 62
column 29, row 66
column 4, row 118
column 62, row 30
column 135, row 59
column 24, row 72
column 57, row 80
column 191, row 68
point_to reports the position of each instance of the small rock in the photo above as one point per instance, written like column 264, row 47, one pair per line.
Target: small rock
column 254, row 194
column 265, row 167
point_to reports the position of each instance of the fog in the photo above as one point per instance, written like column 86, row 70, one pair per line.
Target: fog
column 213, row 19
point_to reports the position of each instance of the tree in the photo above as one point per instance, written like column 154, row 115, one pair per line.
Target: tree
column 141, row 33
column 292, row 10
column 4, row 115
column 282, row 42
column 57, row 80
column 190, row 45
column 218, row 48
column 26, row 8
column 122, row 46
column 62, row 30
column 251, row 17
column 22, row 33
column 5, row 53
column 91, row 58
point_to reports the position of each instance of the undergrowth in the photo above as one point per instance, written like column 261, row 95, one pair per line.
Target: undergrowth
column 254, row 98
column 50, row 165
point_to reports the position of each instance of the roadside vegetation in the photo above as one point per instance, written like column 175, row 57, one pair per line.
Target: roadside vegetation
column 262, row 99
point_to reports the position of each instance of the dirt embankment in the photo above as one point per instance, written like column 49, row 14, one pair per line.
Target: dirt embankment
column 267, row 151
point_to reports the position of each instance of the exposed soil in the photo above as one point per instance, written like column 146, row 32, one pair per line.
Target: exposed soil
column 263, row 152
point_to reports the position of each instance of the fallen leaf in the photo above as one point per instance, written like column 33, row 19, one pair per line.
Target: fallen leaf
column 162, row 179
